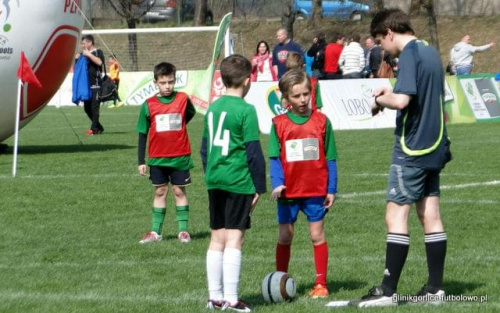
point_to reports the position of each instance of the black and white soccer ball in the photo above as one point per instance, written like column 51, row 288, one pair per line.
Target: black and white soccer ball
column 278, row 287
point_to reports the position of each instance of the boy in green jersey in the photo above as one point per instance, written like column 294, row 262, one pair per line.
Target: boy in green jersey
column 162, row 122
column 235, row 177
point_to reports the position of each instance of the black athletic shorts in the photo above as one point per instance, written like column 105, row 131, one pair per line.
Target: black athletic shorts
column 161, row 175
column 229, row 210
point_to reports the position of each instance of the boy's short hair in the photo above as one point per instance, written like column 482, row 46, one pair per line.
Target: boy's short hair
column 88, row 38
column 292, row 78
column 234, row 70
column 294, row 60
column 393, row 19
column 164, row 69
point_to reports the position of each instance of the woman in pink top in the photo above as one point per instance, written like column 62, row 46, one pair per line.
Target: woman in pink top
column 262, row 64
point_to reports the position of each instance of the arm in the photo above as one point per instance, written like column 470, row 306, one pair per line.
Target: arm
column 142, row 153
column 256, row 165
column 331, row 157
column 95, row 59
column 385, row 98
column 277, row 178
column 203, row 153
column 483, row 48
column 190, row 111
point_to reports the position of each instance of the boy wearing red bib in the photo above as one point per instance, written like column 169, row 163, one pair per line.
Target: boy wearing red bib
column 163, row 120
column 303, row 173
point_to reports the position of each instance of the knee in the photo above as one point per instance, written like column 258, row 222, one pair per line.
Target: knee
column 161, row 192
column 179, row 192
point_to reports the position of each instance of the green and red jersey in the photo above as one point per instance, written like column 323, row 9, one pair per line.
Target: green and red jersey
column 164, row 120
column 303, row 144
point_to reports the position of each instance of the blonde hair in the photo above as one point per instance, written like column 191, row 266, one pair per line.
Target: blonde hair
column 294, row 61
column 291, row 78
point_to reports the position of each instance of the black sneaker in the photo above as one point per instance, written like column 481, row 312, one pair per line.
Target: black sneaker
column 429, row 295
column 377, row 296
column 214, row 304
column 240, row 306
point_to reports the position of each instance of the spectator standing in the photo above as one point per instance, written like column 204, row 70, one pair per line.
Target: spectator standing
column 373, row 57
column 281, row 50
column 461, row 55
column 352, row 59
column 332, row 54
column 262, row 64
column 95, row 62
column 317, row 52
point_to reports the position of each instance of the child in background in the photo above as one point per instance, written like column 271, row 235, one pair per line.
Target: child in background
column 295, row 60
column 163, row 120
column 114, row 75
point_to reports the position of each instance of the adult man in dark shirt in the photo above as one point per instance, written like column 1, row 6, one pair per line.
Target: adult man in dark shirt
column 280, row 51
column 95, row 62
column 373, row 57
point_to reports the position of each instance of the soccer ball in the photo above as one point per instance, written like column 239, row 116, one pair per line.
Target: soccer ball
column 278, row 287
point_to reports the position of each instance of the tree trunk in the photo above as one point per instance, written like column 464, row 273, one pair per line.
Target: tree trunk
column 132, row 46
column 287, row 19
column 378, row 5
column 201, row 10
column 431, row 18
column 415, row 7
column 317, row 12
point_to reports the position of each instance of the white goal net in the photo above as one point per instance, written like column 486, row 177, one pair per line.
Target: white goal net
column 188, row 48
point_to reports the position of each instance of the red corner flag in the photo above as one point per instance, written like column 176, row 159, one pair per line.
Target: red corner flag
column 25, row 72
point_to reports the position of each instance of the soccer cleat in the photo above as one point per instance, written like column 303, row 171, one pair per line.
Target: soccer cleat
column 214, row 304
column 319, row 291
column 240, row 306
column 89, row 132
column 150, row 237
column 376, row 297
column 184, row 237
column 119, row 104
column 429, row 295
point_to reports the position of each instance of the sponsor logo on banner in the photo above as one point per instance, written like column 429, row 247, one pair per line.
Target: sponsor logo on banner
column 359, row 109
column 147, row 88
column 273, row 96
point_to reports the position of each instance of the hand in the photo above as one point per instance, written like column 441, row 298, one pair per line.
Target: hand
column 376, row 108
column 142, row 169
column 329, row 200
column 277, row 192
column 492, row 44
column 254, row 202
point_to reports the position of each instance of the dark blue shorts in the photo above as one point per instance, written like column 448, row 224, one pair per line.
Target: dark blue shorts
column 161, row 175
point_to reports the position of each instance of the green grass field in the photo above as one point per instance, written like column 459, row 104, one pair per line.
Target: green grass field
column 71, row 221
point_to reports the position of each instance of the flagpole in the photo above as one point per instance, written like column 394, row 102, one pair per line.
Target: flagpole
column 18, row 118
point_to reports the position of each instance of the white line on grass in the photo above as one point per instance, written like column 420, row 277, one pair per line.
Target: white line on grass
column 62, row 296
column 71, row 176
column 445, row 187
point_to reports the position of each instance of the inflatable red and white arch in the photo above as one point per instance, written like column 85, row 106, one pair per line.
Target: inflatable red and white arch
column 49, row 33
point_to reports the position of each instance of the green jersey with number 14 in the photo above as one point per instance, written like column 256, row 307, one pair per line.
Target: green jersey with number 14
column 230, row 122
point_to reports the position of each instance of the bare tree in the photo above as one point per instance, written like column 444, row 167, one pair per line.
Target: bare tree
column 378, row 5
column 124, row 9
column 317, row 14
column 200, row 12
column 288, row 18
column 432, row 22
